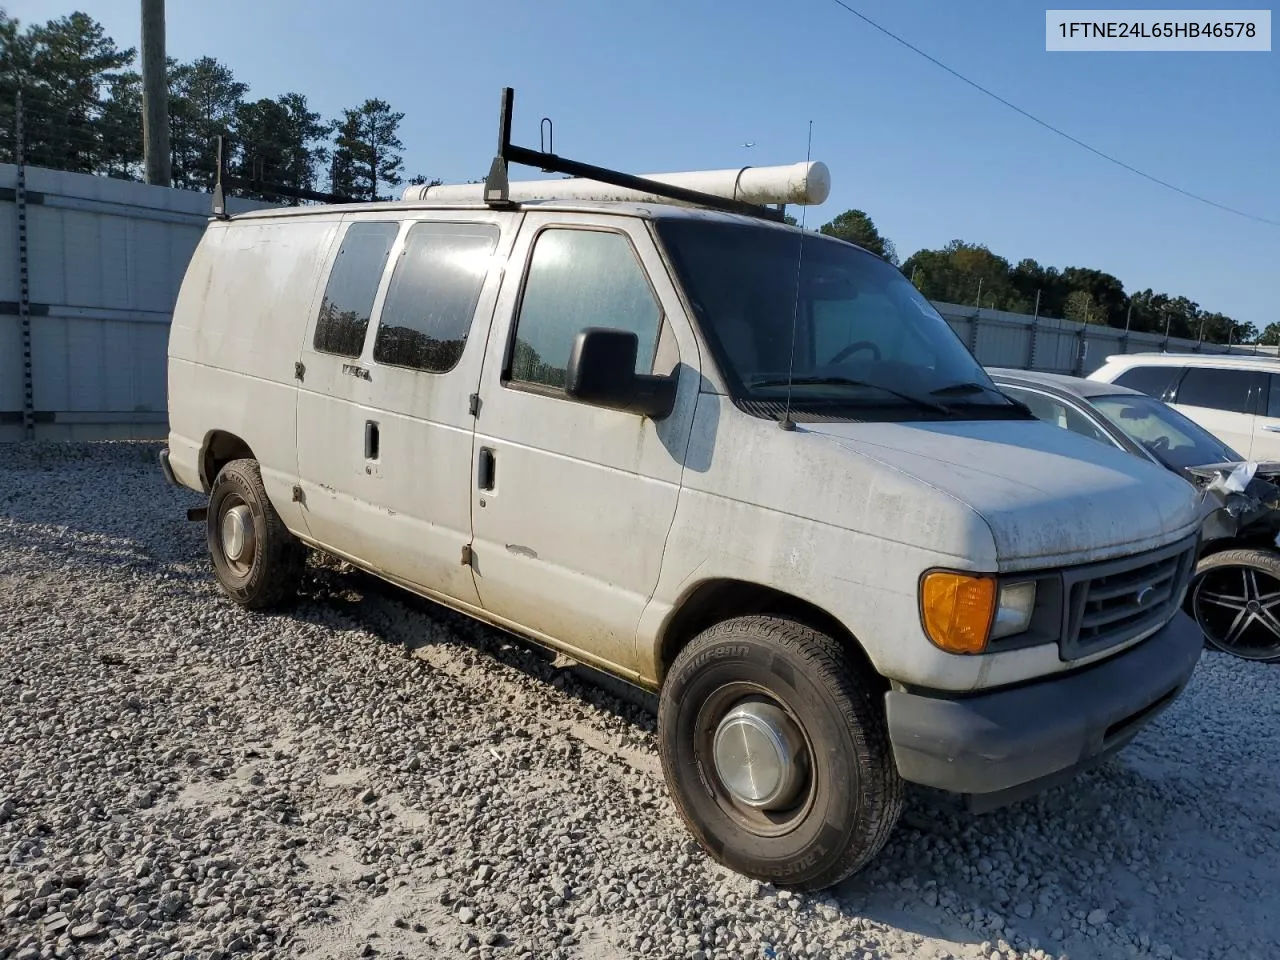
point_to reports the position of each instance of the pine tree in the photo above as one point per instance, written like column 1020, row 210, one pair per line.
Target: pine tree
column 366, row 156
column 280, row 142
column 204, row 97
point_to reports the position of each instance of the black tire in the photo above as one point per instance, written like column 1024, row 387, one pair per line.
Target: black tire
column 1220, row 595
column 852, row 797
column 273, row 572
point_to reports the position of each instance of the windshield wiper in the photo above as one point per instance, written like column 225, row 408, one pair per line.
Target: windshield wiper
column 960, row 389
column 924, row 402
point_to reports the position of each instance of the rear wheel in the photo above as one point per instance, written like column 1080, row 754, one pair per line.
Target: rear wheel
column 1235, row 598
column 776, row 753
column 257, row 561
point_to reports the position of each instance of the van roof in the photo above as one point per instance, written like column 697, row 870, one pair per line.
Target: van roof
column 626, row 208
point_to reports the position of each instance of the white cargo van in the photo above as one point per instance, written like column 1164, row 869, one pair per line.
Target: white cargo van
column 744, row 466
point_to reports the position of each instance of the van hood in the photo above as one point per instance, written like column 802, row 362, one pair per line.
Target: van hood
column 1049, row 496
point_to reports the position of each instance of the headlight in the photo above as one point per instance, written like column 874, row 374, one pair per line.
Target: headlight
column 1013, row 610
column 962, row 612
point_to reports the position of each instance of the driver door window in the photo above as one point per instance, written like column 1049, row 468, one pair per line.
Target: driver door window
column 1221, row 399
column 577, row 279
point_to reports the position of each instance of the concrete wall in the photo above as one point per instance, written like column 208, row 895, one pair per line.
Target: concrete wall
column 107, row 257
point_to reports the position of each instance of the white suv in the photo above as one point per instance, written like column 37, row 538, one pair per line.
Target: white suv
column 1236, row 398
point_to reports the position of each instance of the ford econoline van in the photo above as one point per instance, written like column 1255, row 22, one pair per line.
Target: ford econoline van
column 740, row 464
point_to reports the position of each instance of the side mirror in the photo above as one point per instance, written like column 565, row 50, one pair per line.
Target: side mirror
column 601, row 371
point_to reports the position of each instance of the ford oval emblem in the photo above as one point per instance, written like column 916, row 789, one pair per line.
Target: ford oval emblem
column 1143, row 594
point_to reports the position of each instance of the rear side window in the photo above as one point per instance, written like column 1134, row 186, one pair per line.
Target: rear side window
column 577, row 279
column 1218, row 389
column 1151, row 380
column 353, row 283
column 429, row 306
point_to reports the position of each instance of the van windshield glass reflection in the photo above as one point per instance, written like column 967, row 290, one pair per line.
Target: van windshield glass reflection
column 864, row 335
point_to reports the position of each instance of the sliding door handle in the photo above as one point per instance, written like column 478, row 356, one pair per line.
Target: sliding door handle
column 486, row 469
column 1271, row 427
column 371, row 440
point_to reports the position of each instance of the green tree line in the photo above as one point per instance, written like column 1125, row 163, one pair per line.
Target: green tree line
column 82, row 111
column 969, row 273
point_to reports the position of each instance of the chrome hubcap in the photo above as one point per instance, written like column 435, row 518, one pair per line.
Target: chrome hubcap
column 237, row 534
column 758, row 752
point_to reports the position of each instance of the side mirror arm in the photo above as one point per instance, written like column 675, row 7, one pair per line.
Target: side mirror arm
column 655, row 395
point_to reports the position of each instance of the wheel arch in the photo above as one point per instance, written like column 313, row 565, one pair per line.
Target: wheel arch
column 715, row 600
column 220, row 447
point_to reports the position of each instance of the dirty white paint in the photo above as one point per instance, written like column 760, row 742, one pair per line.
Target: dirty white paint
column 869, row 507
column 235, row 337
column 601, row 523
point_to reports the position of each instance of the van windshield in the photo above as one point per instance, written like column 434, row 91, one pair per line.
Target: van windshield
column 865, row 337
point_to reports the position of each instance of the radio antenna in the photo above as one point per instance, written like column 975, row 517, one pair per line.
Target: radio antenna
column 787, row 423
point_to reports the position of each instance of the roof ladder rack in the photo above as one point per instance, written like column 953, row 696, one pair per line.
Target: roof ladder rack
column 497, row 185
column 225, row 181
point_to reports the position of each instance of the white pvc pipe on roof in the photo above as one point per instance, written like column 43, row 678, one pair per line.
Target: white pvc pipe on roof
column 805, row 184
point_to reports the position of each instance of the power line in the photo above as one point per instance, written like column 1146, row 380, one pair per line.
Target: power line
column 1048, row 126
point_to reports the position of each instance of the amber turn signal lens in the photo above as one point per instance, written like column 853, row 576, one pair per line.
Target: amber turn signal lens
column 958, row 610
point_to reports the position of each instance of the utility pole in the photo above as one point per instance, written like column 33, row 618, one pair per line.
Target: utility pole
column 155, row 96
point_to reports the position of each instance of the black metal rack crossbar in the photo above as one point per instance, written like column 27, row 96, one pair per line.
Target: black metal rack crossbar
column 226, row 182
column 496, row 185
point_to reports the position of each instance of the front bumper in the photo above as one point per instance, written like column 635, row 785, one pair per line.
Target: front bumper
column 1002, row 746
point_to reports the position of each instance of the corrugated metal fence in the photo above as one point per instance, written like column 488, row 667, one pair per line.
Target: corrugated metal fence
column 1000, row 339
column 105, row 259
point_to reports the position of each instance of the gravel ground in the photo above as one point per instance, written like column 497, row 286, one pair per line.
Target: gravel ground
column 367, row 775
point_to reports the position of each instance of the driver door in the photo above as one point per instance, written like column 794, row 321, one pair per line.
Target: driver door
column 573, row 502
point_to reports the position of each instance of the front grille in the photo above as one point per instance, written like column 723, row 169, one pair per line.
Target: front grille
column 1111, row 602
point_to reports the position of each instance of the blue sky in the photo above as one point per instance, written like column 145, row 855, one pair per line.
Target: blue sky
column 673, row 86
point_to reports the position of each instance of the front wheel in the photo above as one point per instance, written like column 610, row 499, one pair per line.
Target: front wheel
column 1235, row 598
column 776, row 752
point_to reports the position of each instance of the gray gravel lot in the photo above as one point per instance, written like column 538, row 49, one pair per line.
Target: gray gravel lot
column 368, row 775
